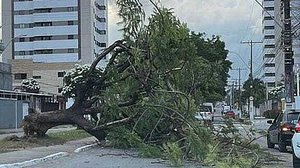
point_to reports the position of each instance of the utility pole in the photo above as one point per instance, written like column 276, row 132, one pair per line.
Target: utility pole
column 251, row 55
column 287, row 50
column 240, row 90
column 251, row 112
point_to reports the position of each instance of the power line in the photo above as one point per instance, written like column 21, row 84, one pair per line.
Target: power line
column 269, row 14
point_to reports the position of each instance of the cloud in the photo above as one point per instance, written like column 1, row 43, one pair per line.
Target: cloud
column 233, row 20
column 203, row 15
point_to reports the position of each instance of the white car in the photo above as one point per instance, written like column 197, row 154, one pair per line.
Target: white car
column 204, row 114
column 296, row 146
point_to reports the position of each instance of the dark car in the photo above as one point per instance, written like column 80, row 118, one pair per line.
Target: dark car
column 229, row 114
column 281, row 130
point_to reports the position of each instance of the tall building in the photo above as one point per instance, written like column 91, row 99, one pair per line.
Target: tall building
column 45, row 38
column 268, row 43
column 295, row 20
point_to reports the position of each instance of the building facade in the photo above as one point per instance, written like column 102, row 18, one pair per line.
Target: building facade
column 268, row 43
column 279, row 55
column 51, row 37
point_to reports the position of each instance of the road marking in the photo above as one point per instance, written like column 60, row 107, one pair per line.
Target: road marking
column 86, row 147
column 35, row 161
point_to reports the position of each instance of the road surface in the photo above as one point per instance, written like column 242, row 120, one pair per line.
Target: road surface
column 108, row 158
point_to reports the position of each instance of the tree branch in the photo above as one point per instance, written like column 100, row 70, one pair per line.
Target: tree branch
column 113, row 123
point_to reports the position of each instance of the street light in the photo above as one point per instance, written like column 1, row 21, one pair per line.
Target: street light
column 233, row 52
column 3, row 47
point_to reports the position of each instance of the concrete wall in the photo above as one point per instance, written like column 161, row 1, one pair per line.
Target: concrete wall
column 8, row 113
column 5, row 77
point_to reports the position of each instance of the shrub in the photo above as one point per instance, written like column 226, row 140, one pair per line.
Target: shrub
column 271, row 113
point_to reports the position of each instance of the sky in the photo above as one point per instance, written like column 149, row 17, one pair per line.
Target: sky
column 233, row 20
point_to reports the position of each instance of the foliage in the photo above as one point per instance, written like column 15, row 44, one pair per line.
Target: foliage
column 122, row 138
column 150, row 151
column 173, row 153
column 30, row 85
column 75, row 79
column 255, row 88
column 271, row 113
column 277, row 92
column 214, row 72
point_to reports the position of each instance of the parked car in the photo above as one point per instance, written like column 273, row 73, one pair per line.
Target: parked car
column 296, row 145
column 204, row 114
column 211, row 108
column 281, row 130
column 229, row 114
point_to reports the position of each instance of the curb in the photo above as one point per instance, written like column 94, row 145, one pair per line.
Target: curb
column 35, row 161
column 84, row 148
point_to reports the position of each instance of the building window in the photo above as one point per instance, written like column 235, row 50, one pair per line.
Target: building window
column 269, row 27
column 71, row 50
column 269, row 64
column 269, row 74
column 269, row 55
column 269, row 46
column 70, row 22
column 42, row 24
column 21, row 0
column 21, row 40
column 42, row 38
column 100, row 19
column 71, row 36
column 19, row 76
column 36, row 77
column 61, row 74
column 100, row 7
column 100, row 44
column 269, row 8
column 102, row 32
column 47, row 51
column 22, row 26
column 268, row 18
column 22, row 53
column 43, row 10
column 269, row 37
column 72, row 9
column 271, row 84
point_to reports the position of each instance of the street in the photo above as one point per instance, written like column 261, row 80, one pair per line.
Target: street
column 108, row 158
column 285, row 157
column 260, row 125
column 115, row 158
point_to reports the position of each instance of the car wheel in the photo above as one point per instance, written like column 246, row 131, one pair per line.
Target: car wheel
column 281, row 145
column 296, row 161
column 269, row 143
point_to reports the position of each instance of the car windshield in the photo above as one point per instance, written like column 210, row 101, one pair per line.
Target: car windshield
column 292, row 117
column 204, row 109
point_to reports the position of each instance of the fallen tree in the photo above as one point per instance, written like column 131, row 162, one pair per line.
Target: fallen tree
column 147, row 96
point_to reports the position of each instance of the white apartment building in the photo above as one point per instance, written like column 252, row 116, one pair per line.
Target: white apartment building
column 53, row 35
column 268, row 43
column 279, row 56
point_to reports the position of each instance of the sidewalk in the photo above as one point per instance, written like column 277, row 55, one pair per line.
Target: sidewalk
column 33, row 153
column 19, row 132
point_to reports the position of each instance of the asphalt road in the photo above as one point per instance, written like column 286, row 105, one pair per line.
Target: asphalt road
column 114, row 158
column 108, row 158
column 260, row 125
column 286, row 158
